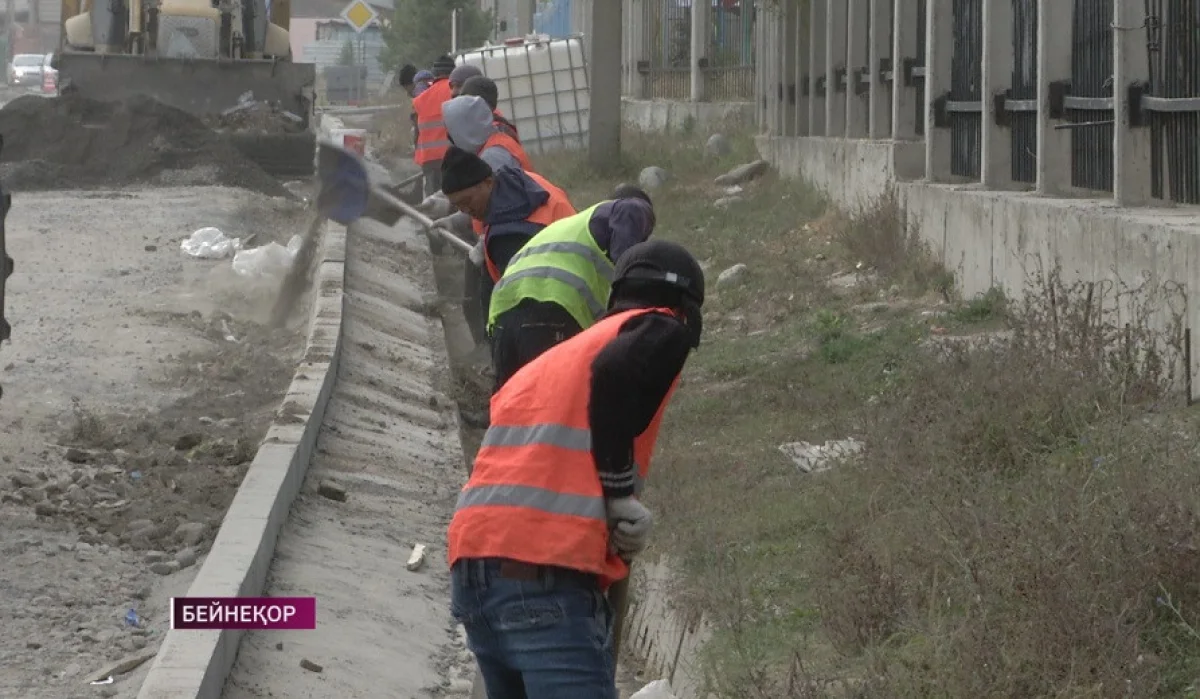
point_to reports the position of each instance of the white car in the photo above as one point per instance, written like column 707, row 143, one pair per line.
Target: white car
column 26, row 69
column 48, row 71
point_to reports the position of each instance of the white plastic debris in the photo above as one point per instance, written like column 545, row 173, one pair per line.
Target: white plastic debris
column 658, row 689
column 271, row 259
column 210, row 243
column 815, row 458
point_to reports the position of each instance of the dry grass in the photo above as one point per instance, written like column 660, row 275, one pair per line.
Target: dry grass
column 1023, row 522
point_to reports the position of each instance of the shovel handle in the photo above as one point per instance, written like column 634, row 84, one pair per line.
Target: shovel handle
column 429, row 224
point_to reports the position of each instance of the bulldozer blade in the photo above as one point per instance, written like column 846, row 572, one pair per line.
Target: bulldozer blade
column 201, row 87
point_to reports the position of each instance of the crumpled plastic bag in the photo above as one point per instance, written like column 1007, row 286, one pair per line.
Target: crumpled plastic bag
column 658, row 689
column 210, row 244
column 271, row 259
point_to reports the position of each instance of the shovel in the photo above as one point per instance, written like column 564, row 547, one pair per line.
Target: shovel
column 347, row 194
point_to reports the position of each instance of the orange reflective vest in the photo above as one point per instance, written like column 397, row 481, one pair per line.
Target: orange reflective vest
column 509, row 144
column 556, row 207
column 505, row 125
column 432, row 137
column 534, row 495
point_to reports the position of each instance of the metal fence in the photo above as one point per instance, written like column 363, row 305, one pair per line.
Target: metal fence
column 964, row 103
column 1087, row 100
column 664, row 60
column 728, row 64
column 1020, row 108
column 1171, row 106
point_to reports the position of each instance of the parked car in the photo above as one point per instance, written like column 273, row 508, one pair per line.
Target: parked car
column 26, row 69
column 49, row 75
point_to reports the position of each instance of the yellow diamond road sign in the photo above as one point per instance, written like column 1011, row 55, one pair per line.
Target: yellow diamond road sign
column 360, row 15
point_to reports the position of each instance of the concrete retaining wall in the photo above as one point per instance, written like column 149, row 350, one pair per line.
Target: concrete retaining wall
column 668, row 643
column 670, row 115
column 991, row 238
column 195, row 664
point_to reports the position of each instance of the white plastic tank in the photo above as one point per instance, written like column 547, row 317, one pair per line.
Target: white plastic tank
column 543, row 89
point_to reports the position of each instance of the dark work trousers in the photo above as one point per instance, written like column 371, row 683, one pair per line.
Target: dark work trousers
column 433, row 177
column 477, row 293
column 524, row 332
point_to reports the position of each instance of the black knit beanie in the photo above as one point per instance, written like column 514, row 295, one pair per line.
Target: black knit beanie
column 462, row 170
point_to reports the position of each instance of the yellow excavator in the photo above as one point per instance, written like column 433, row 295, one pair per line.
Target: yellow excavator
column 201, row 56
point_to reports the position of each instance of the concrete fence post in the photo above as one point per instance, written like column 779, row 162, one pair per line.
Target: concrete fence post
column 995, row 171
column 1131, row 64
column 1053, row 175
column 699, row 51
column 857, row 60
column 801, row 53
column 835, row 68
column 878, row 101
column 818, row 76
column 939, row 51
column 904, row 46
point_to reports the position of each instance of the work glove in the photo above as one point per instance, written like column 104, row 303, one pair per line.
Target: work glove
column 435, row 206
column 476, row 254
column 629, row 524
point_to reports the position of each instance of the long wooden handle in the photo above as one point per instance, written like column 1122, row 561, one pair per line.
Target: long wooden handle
column 618, row 598
column 415, row 214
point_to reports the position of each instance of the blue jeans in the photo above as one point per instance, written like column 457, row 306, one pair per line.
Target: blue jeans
column 535, row 636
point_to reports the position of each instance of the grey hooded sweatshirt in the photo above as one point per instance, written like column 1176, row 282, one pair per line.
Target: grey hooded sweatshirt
column 470, row 123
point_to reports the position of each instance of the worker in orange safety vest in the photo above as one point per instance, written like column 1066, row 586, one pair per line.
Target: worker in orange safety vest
column 432, row 139
column 550, row 514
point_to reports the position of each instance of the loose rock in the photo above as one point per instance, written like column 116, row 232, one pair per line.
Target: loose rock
column 186, row 558
column 652, row 178
column 717, row 145
column 191, row 533
column 732, row 274
column 310, row 665
column 164, row 567
column 743, row 173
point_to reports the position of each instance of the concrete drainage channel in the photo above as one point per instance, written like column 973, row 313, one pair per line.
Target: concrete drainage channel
column 364, row 463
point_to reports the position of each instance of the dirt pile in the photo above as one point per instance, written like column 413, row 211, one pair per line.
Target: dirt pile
column 257, row 117
column 71, row 142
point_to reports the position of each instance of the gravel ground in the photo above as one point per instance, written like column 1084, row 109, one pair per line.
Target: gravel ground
column 127, row 420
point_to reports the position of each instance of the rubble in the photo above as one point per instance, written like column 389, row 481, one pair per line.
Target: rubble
column 71, row 142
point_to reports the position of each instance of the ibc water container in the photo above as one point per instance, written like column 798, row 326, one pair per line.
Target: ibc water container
column 543, row 89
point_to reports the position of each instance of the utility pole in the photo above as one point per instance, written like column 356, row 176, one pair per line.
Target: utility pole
column 525, row 11
column 10, row 18
column 604, row 117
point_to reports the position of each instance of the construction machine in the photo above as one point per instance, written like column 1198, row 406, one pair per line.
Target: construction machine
column 205, row 57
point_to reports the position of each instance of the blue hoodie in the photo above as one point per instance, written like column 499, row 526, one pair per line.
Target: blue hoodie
column 515, row 197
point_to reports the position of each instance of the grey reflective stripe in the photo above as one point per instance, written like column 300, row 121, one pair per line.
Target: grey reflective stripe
column 533, row 498
column 554, row 435
column 561, row 436
column 603, row 267
column 572, row 280
column 433, row 144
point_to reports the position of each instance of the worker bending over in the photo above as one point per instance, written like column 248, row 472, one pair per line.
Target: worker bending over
column 485, row 87
column 432, row 140
column 549, row 517
column 559, row 282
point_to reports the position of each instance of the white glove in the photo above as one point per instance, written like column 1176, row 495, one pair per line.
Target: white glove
column 435, row 205
column 629, row 523
column 476, row 254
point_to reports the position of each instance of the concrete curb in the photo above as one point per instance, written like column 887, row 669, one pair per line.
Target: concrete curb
column 195, row 664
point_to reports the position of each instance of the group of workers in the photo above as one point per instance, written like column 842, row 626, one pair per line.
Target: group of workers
column 589, row 323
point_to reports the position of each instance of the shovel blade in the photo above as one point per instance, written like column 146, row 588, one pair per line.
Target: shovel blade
column 345, row 187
